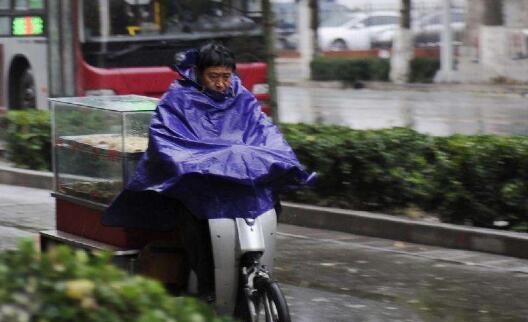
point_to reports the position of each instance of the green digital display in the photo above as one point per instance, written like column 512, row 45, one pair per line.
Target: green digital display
column 28, row 26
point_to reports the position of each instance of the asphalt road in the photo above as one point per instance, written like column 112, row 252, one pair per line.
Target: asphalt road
column 436, row 110
column 337, row 277
column 437, row 113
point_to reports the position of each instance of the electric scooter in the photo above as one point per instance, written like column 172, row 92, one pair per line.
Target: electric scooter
column 243, row 253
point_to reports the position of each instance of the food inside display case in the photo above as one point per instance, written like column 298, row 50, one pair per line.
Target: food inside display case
column 100, row 192
column 105, row 144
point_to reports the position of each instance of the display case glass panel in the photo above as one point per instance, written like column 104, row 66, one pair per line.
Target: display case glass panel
column 98, row 141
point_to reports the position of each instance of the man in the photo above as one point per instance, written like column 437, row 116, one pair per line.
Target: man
column 212, row 154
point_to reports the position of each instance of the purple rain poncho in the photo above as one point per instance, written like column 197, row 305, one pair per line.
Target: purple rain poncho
column 216, row 153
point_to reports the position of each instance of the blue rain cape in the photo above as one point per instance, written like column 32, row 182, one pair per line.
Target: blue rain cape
column 215, row 153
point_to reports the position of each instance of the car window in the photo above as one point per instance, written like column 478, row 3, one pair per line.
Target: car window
column 381, row 20
column 437, row 19
column 457, row 17
column 434, row 20
column 335, row 21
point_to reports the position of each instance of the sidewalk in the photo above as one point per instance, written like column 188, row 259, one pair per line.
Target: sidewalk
column 288, row 74
column 354, row 222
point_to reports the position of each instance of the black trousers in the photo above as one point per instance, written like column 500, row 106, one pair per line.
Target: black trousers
column 197, row 244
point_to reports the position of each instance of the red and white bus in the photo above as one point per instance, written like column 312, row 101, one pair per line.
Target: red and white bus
column 51, row 48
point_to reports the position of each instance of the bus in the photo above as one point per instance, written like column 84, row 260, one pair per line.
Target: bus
column 54, row 48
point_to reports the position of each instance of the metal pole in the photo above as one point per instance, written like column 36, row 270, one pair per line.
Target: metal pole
column 270, row 59
column 446, row 54
column 305, row 37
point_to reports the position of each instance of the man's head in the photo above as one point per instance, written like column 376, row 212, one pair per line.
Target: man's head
column 215, row 66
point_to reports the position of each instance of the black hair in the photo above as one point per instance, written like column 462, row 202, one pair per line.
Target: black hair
column 215, row 54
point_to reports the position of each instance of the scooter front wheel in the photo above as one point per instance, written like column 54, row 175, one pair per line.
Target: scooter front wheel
column 272, row 300
column 264, row 303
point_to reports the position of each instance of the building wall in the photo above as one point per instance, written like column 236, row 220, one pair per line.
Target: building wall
column 491, row 52
column 516, row 13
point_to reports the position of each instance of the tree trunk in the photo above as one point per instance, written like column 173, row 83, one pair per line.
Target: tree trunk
column 270, row 59
column 493, row 15
column 405, row 12
column 402, row 46
column 314, row 24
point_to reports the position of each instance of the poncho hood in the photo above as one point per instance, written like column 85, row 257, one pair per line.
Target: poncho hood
column 186, row 68
column 216, row 153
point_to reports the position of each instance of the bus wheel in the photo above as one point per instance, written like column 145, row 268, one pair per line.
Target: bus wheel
column 25, row 91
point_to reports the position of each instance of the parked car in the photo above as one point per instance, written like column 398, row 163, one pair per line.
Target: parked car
column 286, row 19
column 428, row 29
column 358, row 31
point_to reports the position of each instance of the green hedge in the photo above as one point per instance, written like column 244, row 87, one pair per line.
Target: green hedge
column 477, row 179
column 64, row 286
column 28, row 138
column 423, row 69
column 352, row 69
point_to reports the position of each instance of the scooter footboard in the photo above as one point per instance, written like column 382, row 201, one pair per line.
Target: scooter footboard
column 268, row 223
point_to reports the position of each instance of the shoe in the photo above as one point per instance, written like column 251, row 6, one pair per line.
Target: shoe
column 209, row 298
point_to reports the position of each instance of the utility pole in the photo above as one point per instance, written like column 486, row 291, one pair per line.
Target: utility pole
column 271, row 76
column 446, row 53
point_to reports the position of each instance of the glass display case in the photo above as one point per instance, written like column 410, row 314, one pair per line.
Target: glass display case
column 98, row 141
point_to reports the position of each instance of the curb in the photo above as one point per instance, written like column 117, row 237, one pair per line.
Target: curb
column 354, row 222
column 396, row 228
column 27, row 178
column 488, row 89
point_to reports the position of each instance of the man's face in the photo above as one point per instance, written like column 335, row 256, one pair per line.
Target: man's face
column 217, row 78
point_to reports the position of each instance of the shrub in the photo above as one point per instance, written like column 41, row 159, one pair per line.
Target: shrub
column 372, row 170
column 476, row 179
column 482, row 179
column 423, row 69
column 352, row 69
column 66, row 285
column 349, row 69
column 28, row 139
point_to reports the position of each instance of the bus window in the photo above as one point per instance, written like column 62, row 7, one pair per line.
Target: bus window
column 147, row 17
column 5, row 26
column 36, row 4
column 5, row 4
column 131, row 33
column 91, row 18
column 29, row 4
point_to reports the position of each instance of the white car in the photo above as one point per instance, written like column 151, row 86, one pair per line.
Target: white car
column 428, row 29
column 356, row 32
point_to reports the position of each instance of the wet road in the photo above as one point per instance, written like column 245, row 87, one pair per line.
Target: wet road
column 346, row 277
column 438, row 113
column 436, row 110
column 337, row 277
